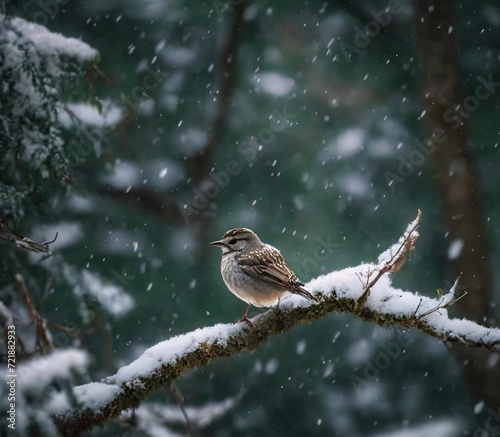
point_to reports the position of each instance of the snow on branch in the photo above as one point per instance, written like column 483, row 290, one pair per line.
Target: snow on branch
column 6, row 233
column 365, row 291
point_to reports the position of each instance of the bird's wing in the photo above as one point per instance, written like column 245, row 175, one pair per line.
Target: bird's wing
column 267, row 264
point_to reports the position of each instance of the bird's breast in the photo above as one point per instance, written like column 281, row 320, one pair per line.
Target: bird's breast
column 250, row 290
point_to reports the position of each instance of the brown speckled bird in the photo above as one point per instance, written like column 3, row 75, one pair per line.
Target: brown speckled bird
column 256, row 272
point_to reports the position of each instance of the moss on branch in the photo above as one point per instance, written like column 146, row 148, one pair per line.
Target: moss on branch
column 246, row 338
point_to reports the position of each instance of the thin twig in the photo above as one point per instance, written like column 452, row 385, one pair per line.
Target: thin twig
column 418, row 306
column 44, row 340
column 172, row 388
column 395, row 263
column 439, row 307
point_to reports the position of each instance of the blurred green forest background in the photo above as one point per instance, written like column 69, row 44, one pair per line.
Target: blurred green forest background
column 308, row 122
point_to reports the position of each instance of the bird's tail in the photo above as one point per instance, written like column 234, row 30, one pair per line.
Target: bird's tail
column 304, row 293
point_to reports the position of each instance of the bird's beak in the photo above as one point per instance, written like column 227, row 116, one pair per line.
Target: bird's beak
column 216, row 243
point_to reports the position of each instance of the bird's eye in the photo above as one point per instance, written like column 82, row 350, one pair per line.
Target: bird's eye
column 233, row 241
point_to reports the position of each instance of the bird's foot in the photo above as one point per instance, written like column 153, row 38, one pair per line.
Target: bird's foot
column 247, row 321
column 278, row 306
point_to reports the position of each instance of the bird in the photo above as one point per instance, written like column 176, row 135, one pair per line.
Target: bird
column 256, row 272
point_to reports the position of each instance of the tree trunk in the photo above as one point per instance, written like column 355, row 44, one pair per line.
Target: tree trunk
column 457, row 182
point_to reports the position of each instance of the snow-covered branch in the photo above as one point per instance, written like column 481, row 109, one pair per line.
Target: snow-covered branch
column 365, row 291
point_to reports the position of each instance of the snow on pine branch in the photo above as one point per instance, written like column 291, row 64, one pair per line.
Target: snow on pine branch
column 47, row 43
column 40, row 70
column 35, row 378
column 365, row 291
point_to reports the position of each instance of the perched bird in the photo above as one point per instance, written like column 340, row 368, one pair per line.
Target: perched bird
column 256, row 272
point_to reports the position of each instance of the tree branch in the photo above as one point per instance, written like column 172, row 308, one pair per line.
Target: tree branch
column 6, row 233
column 165, row 206
column 201, row 162
column 339, row 291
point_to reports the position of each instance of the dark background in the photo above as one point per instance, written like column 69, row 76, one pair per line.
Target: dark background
column 355, row 91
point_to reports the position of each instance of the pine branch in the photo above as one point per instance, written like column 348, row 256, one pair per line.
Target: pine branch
column 341, row 292
column 6, row 233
